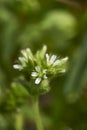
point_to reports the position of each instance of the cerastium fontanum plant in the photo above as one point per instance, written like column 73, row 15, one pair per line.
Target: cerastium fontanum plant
column 37, row 70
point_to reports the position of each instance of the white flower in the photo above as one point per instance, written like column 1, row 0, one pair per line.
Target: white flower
column 37, row 80
column 21, row 65
column 56, row 62
column 24, row 53
column 47, row 58
column 52, row 60
column 44, row 74
column 45, row 77
column 27, row 54
column 44, row 71
column 37, row 68
column 38, row 75
column 16, row 66
column 22, row 61
column 34, row 74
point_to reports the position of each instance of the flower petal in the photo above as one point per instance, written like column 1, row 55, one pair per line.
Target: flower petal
column 34, row 74
column 56, row 62
column 45, row 77
column 38, row 80
column 24, row 54
column 29, row 53
column 52, row 59
column 37, row 68
column 16, row 66
column 65, row 59
column 47, row 58
column 44, row 71
column 21, row 59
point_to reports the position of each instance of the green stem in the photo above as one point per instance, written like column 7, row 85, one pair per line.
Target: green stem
column 37, row 113
column 19, row 121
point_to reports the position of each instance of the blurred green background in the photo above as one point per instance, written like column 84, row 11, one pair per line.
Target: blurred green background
column 62, row 26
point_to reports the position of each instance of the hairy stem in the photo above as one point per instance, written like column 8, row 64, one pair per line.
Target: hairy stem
column 37, row 113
